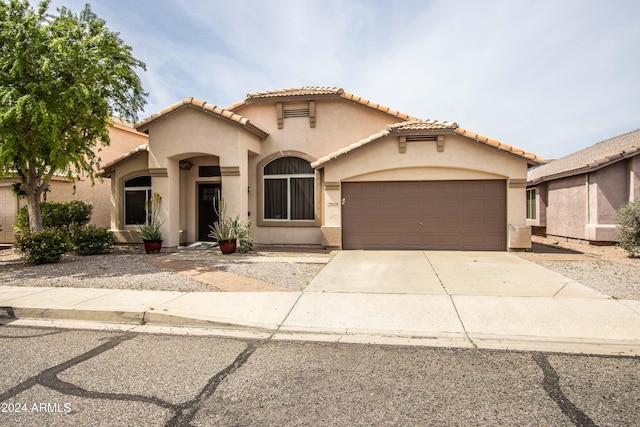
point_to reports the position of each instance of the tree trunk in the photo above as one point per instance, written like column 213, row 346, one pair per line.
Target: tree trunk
column 35, row 216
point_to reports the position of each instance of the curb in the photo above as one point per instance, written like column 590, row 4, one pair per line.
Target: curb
column 158, row 323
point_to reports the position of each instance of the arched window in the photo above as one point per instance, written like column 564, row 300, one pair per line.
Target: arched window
column 289, row 190
column 137, row 192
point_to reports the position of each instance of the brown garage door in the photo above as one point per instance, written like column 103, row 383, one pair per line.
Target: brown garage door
column 7, row 214
column 465, row 215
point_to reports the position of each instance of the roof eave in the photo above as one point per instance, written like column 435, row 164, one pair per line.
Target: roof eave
column 206, row 107
column 109, row 168
column 591, row 167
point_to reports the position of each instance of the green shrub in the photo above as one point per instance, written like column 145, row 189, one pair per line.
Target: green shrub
column 45, row 247
column 92, row 240
column 245, row 238
column 63, row 215
column 629, row 222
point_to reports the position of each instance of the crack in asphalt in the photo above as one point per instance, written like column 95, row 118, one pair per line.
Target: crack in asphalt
column 49, row 376
column 188, row 410
column 551, row 385
column 46, row 334
column 183, row 413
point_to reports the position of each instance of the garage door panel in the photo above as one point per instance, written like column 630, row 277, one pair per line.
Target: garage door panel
column 467, row 215
column 8, row 206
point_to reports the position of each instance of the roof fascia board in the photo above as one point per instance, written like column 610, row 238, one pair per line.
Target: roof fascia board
column 585, row 169
column 288, row 98
column 248, row 125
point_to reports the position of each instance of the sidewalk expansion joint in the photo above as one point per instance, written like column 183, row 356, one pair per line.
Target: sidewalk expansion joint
column 560, row 290
column 466, row 333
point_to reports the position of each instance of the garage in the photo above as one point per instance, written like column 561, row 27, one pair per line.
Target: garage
column 7, row 214
column 446, row 215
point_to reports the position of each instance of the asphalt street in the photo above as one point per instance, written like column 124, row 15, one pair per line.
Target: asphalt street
column 78, row 377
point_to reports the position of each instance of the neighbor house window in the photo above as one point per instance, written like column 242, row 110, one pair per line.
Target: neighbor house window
column 531, row 203
column 289, row 190
column 137, row 192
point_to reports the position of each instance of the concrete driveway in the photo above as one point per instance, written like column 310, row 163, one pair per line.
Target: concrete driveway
column 459, row 299
column 475, row 299
column 444, row 273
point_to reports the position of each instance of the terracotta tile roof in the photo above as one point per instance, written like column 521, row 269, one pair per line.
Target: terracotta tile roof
column 429, row 127
column 108, row 169
column 299, row 91
column 316, row 92
column 206, row 107
column 588, row 159
column 122, row 122
column 419, row 125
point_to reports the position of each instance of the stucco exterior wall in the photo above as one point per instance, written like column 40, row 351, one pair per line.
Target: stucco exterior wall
column 567, row 208
column 136, row 166
column 123, row 139
column 541, row 204
column 634, row 178
column 338, row 123
column 585, row 206
column 202, row 139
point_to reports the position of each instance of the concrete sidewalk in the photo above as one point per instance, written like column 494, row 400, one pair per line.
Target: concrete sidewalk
column 459, row 299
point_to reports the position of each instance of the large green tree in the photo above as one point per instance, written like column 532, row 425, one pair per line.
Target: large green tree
column 62, row 78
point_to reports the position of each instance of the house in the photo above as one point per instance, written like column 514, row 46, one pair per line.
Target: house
column 317, row 166
column 123, row 138
column 577, row 196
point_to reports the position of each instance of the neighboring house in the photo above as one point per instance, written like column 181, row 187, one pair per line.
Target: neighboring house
column 317, row 166
column 123, row 138
column 577, row 196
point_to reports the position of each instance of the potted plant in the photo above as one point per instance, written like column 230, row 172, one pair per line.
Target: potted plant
column 226, row 235
column 150, row 233
column 231, row 234
column 223, row 230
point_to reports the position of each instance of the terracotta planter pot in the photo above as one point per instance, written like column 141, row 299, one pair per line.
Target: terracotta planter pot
column 152, row 246
column 227, row 246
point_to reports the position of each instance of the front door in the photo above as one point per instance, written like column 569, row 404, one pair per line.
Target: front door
column 208, row 195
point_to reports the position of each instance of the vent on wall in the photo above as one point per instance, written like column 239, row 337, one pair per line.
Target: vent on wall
column 296, row 112
column 402, row 141
column 302, row 112
column 420, row 138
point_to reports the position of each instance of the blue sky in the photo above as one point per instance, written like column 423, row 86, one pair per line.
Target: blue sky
column 548, row 76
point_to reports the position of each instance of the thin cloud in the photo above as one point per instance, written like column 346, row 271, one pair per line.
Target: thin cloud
column 550, row 77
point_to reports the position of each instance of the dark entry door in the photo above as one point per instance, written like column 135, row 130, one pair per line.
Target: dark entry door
column 207, row 197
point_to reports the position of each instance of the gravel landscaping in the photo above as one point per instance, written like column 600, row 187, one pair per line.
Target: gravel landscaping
column 605, row 269
column 616, row 279
column 122, row 270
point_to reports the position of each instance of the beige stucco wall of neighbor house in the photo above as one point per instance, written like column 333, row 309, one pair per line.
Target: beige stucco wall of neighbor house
column 123, row 140
column 98, row 193
column 462, row 159
column 338, row 123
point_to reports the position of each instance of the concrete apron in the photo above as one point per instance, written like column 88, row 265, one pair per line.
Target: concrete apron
column 458, row 299
column 467, row 299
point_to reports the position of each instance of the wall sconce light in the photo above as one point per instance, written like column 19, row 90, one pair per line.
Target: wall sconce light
column 185, row 165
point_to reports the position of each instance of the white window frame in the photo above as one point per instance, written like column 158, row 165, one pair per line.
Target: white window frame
column 288, row 178
column 532, row 202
